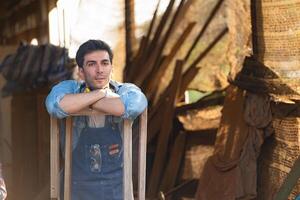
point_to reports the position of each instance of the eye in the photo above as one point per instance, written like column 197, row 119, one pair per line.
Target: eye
column 91, row 64
column 106, row 63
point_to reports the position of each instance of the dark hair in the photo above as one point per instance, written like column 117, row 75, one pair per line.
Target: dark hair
column 90, row 46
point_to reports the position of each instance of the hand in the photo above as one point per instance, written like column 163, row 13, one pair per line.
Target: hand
column 102, row 93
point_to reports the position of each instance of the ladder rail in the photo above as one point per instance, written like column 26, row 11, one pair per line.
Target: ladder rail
column 127, row 144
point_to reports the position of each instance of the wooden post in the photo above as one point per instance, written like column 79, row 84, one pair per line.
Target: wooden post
column 142, row 156
column 127, row 144
column 54, row 161
column 68, row 160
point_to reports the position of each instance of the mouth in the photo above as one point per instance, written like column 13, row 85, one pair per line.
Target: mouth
column 100, row 79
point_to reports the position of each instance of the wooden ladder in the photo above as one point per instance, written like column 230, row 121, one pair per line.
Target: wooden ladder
column 127, row 144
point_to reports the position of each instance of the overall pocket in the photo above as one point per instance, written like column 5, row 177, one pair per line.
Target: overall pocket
column 112, row 157
column 94, row 158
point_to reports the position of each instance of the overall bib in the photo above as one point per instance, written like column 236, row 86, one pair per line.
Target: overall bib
column 97, row 165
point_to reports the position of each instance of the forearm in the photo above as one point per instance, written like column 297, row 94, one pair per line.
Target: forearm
column 110, row 105
column 75, row 103
column 88, row 111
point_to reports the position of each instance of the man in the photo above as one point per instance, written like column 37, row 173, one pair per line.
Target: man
column 97, row 164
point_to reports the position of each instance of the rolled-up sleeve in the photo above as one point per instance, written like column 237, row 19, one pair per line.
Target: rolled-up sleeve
column 56, row 94
column 133, row 99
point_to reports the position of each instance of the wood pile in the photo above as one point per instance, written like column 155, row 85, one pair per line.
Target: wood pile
column 147, row 69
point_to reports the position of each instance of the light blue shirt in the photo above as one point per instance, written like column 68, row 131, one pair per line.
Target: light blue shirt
column 132, row 97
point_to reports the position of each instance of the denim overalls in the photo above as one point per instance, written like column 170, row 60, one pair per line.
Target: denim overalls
column 97, row 164
column 98, row 152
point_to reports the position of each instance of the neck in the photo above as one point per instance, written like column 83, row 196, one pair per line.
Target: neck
column 92, row 88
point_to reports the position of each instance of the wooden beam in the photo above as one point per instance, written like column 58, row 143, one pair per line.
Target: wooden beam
column 127, row 145
column 203, row 29
column 163, row 140
column 129, row 71
column 142, row 156
column 153, row 52
column 192, row 70
column 54, row 159
column 174, row 163
column 68, row 160
column 156, row 75
column 129, row 30
column 216, row 98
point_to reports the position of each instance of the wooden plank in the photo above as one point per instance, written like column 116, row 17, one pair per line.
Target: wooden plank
column 163, row 140
column 145, row 84
column 130, row 71
column 54, row 158
column 68, row 160
column 154, row 51
column 215, row 98
column 172, row 170
column 161, row 26
column 154, row 59
column 154, row 125
column 175, row 21
column 188, row 77
column 203, row 29
column 185, row 189
column 159, row 100
column 209, row 47
column 192, row 70
column 142, row 156
column 127, row 145
column 129, row 30
column 153, row 80
column 43, row 135
column 24, row 146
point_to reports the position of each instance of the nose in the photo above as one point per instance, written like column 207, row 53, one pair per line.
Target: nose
column 99, row 68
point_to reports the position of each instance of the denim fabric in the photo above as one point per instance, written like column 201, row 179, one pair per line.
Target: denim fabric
column 97, row 165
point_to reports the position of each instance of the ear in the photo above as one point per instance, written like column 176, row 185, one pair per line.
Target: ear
column 111, row 72
column 81, row 73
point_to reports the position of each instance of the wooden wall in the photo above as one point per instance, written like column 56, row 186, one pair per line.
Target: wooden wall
column 28, row 19
column 23, row 116
column 30, row 144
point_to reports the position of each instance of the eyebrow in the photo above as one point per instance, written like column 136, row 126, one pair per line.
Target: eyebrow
column 90, row 61
column 93, row 61
column 105, row 60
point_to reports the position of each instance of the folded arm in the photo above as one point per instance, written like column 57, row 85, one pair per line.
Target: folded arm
column 111, row 105
column 80, row 102
column 65, row 99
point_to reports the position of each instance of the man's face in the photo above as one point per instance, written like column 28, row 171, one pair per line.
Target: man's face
column 96, row 70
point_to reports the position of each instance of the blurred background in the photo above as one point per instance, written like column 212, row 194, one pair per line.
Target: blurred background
column 197, row 61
